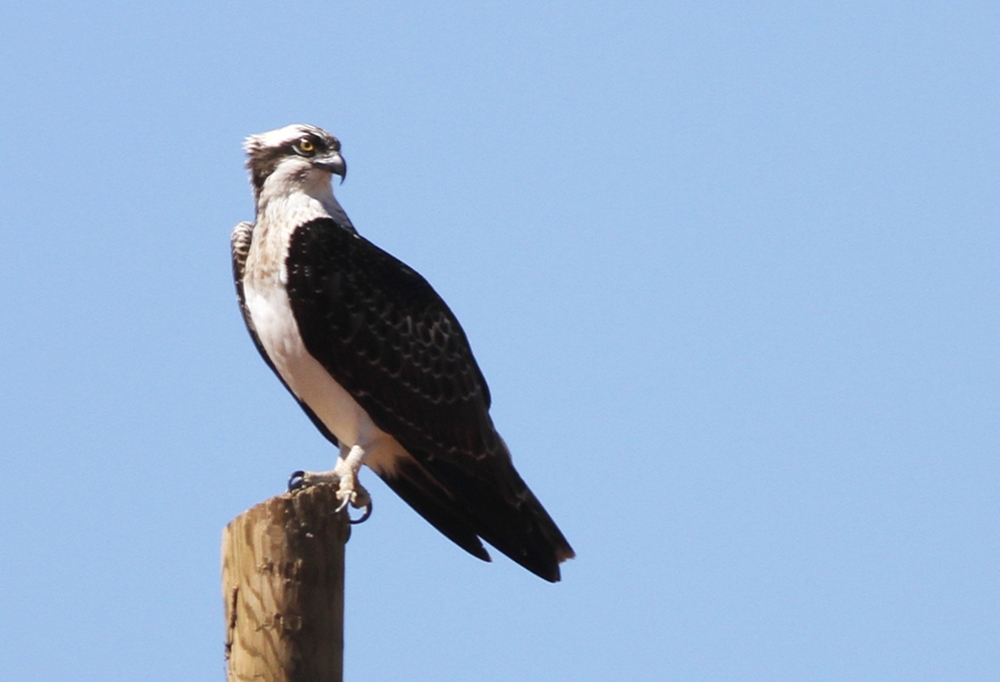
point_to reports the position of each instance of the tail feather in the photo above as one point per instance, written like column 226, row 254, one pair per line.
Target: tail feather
column 412, row 483
column 504, row 513
column 507, row 515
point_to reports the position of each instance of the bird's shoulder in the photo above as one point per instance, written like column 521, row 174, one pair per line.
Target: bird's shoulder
column 386, row 336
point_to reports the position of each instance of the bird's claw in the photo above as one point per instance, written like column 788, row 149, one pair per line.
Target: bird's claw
column 364, row 516
column 350, row 492
column 297, row 481
column 300, row 480
column 356, row 497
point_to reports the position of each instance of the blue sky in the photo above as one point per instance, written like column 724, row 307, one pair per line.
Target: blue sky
column 729, row 268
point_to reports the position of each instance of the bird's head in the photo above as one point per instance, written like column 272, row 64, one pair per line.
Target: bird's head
column 297, row 156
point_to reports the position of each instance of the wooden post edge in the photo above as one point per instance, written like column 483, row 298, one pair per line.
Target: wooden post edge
column 283, row 589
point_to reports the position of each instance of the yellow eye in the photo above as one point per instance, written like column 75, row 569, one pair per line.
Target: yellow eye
column 306, row 146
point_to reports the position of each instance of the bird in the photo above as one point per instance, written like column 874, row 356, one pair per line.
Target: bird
column 376, row 359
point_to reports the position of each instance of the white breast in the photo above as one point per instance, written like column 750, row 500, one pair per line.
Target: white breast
column 271, row 312
column 309, row 381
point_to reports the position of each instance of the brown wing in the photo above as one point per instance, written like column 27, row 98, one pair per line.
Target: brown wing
column 386, row 336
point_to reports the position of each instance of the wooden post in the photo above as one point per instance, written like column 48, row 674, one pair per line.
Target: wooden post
column 283, row 585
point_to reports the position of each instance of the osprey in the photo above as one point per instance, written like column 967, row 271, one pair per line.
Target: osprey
column 376, row 359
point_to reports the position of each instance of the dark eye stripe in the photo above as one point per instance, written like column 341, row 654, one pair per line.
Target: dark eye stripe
column 319, row 146
column 262, row 162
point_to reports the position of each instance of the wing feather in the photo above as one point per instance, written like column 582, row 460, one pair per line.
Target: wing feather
column 386, row 336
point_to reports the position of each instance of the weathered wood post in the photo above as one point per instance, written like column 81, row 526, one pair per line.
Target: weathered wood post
column 283, row 585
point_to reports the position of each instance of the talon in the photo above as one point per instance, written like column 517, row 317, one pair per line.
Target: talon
column 364, row 517
column 343, row 505
column 297, row 481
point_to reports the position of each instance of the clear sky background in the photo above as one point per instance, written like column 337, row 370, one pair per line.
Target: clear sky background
column 731, row 270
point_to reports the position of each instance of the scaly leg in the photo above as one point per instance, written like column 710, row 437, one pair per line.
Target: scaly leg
column 345, row 476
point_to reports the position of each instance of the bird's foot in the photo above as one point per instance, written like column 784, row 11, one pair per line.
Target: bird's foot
column 349, row 488
column 300, row 480
column 352, row 492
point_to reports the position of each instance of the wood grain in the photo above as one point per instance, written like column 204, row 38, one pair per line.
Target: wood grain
column 283, row 587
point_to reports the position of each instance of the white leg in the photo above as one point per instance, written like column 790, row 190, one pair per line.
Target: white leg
column 350, row 490
column 344, row 475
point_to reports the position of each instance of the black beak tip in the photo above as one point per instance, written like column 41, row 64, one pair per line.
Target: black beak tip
column 335, row 165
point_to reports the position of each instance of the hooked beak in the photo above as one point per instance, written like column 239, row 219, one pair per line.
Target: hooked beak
column 332, row 163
